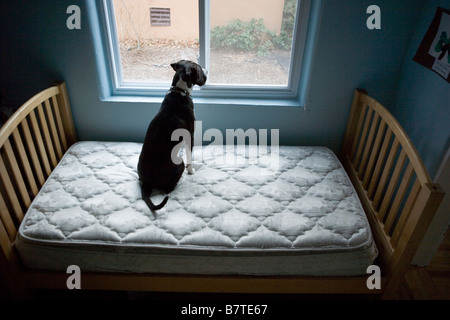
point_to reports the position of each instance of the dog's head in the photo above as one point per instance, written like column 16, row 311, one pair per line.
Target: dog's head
column 190, row 72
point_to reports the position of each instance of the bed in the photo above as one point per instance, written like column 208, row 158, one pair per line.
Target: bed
column 252, row 219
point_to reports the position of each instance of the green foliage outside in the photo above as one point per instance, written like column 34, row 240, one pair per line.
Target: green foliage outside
column 254, row 35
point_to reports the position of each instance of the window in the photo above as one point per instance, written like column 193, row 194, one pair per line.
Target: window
column 252, row 49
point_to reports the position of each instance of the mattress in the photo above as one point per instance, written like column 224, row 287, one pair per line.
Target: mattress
column 246, row 211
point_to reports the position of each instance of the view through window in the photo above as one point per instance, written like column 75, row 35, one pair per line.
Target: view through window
column 249, row 43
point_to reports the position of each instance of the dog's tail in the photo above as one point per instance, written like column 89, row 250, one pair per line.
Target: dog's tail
column 146, row 197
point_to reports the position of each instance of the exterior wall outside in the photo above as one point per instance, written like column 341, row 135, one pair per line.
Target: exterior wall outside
column 133, row 17
column 271, row 11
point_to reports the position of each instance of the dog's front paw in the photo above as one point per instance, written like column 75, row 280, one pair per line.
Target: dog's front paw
column 190, row 170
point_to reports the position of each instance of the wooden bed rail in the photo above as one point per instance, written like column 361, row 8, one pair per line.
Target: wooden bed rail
column 393, row 184
column 32, row 142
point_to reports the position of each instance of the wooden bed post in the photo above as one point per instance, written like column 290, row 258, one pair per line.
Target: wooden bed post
column 10, row 267
column 419, row 219
column 66, row 114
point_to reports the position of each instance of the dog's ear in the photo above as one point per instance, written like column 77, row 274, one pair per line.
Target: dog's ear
column 201, row 76
column 187, row 77
column 177, row 65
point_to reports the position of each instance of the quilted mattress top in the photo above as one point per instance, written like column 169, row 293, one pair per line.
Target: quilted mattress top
column 236, row 201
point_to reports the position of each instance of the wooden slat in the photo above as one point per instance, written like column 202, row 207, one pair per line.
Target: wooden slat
column 357, row 142
column 5, row 218
column 25, row 162
column 405, row 213
column 380, row 162
column 393, row 183
column 40, row 143
column 10, row 191
column 32, row 153
column 59, row 124
column 368, row 147
column 47, row 138
column 385, row 174
column 54, row 132
column 66, row 114
column 362, row 141
column 374, row 154
column 392, row 215
column 350, row 129
column 15, row 171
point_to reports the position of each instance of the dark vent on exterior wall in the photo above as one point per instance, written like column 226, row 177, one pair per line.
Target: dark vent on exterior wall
column 160, row 17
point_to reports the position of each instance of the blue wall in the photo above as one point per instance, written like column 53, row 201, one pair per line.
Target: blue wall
column 38, row 49
column 423, row 103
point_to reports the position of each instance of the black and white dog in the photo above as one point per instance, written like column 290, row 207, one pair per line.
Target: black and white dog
column 156, row 167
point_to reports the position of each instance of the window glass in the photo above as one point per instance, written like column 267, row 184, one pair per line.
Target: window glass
column 154, row 34
column 251, row 41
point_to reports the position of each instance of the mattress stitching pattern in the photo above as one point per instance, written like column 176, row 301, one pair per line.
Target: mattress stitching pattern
column 236, row 200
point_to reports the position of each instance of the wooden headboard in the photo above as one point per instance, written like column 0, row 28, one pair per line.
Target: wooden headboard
column 32, row 142
column 391, row 180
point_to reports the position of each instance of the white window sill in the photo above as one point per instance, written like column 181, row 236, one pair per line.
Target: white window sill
column 211, row 101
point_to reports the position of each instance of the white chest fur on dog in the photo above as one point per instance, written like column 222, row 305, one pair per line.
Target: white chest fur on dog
column 239, row 217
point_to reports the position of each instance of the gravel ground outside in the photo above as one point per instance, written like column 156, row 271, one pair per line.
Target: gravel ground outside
column 151, row 60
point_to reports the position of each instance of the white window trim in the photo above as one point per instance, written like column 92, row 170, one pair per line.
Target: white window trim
column 113, row 88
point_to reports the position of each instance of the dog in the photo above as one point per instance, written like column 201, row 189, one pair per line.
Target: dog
column 156, row 166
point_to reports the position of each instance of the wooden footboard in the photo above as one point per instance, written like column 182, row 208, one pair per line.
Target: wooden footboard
column 392, row 182
column 384, row 166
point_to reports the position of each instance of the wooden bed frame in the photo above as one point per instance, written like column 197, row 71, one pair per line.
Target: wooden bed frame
column 385, row 168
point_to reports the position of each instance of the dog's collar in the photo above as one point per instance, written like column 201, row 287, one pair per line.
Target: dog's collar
column 178, row 89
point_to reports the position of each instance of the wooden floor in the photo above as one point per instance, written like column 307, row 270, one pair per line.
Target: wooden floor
column 431, row 282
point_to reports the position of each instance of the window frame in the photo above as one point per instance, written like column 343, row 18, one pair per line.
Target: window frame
column 113, row 87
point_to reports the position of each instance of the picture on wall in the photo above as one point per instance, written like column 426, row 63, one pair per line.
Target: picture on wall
column 434, row 50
